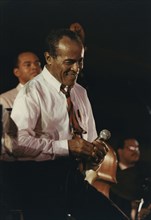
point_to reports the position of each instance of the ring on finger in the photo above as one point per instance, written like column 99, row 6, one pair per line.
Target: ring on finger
column 94, row 148
column 94, row 151
column 93, row 154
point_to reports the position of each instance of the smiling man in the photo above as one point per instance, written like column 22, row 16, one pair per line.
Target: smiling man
column 56, row 129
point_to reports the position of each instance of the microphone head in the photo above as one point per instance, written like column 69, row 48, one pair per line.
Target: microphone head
column 105, row 134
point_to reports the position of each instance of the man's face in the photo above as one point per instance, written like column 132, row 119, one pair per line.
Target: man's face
column 131, row 152
column 28, row 67
column 68, row 63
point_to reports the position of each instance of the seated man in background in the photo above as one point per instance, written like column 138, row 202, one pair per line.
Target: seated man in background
column 131, row 173
column 26, row 66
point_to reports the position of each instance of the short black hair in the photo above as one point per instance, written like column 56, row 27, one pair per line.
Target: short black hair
column 55, row 36
column 16, row 58
column 120, row 144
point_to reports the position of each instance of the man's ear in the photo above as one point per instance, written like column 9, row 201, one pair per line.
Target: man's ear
column 119, row 151
column 16, row 72
column 47, row 57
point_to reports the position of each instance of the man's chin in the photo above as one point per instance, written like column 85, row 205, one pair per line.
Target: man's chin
column 70, row 83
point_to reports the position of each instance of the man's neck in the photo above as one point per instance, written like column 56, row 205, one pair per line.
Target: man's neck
column 124, row 166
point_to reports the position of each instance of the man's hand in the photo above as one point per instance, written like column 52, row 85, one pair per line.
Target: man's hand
column 100, row 149
column 144, row 213
column 81, row 148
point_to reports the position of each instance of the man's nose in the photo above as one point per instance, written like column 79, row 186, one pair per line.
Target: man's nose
column 33, row 65
column 76, row 67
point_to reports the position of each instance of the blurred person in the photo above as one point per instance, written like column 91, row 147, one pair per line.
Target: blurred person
column 6, row 212
column 78, row 29
column 131, row 173
column 56, row 132
column 144, row 211
column 26, row 66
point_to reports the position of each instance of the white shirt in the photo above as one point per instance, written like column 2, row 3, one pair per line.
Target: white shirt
column 40, row 112
column 7, row 98
column 6, row 140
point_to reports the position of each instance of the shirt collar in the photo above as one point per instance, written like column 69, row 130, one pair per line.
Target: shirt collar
column 123, row 166
column 19, row 86
column 51, row 79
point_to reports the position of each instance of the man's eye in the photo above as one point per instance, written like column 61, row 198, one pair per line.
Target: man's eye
column 38, row 63
column 27, row 64
column 68, row 62
column 81, row 62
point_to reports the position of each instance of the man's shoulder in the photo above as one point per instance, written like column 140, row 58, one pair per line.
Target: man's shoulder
column 77, row 86
column 35, row 84
column 7, row 98
column 9, row 92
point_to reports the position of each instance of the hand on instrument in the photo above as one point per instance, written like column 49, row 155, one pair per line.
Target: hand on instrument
column 100, row 149
column 94, row 152
column 81, row 148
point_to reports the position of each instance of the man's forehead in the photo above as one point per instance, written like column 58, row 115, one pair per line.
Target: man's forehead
column 131, row 142
column 66, row 43
column 27, row 56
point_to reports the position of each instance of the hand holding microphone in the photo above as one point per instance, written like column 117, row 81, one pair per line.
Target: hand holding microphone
column 100, row 148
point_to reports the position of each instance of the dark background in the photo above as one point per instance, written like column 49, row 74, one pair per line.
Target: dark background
column 117, row 71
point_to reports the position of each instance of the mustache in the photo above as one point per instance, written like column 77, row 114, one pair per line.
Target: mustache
column 69, row 73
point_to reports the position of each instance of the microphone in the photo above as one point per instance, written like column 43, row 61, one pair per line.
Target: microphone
column 104, row 135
